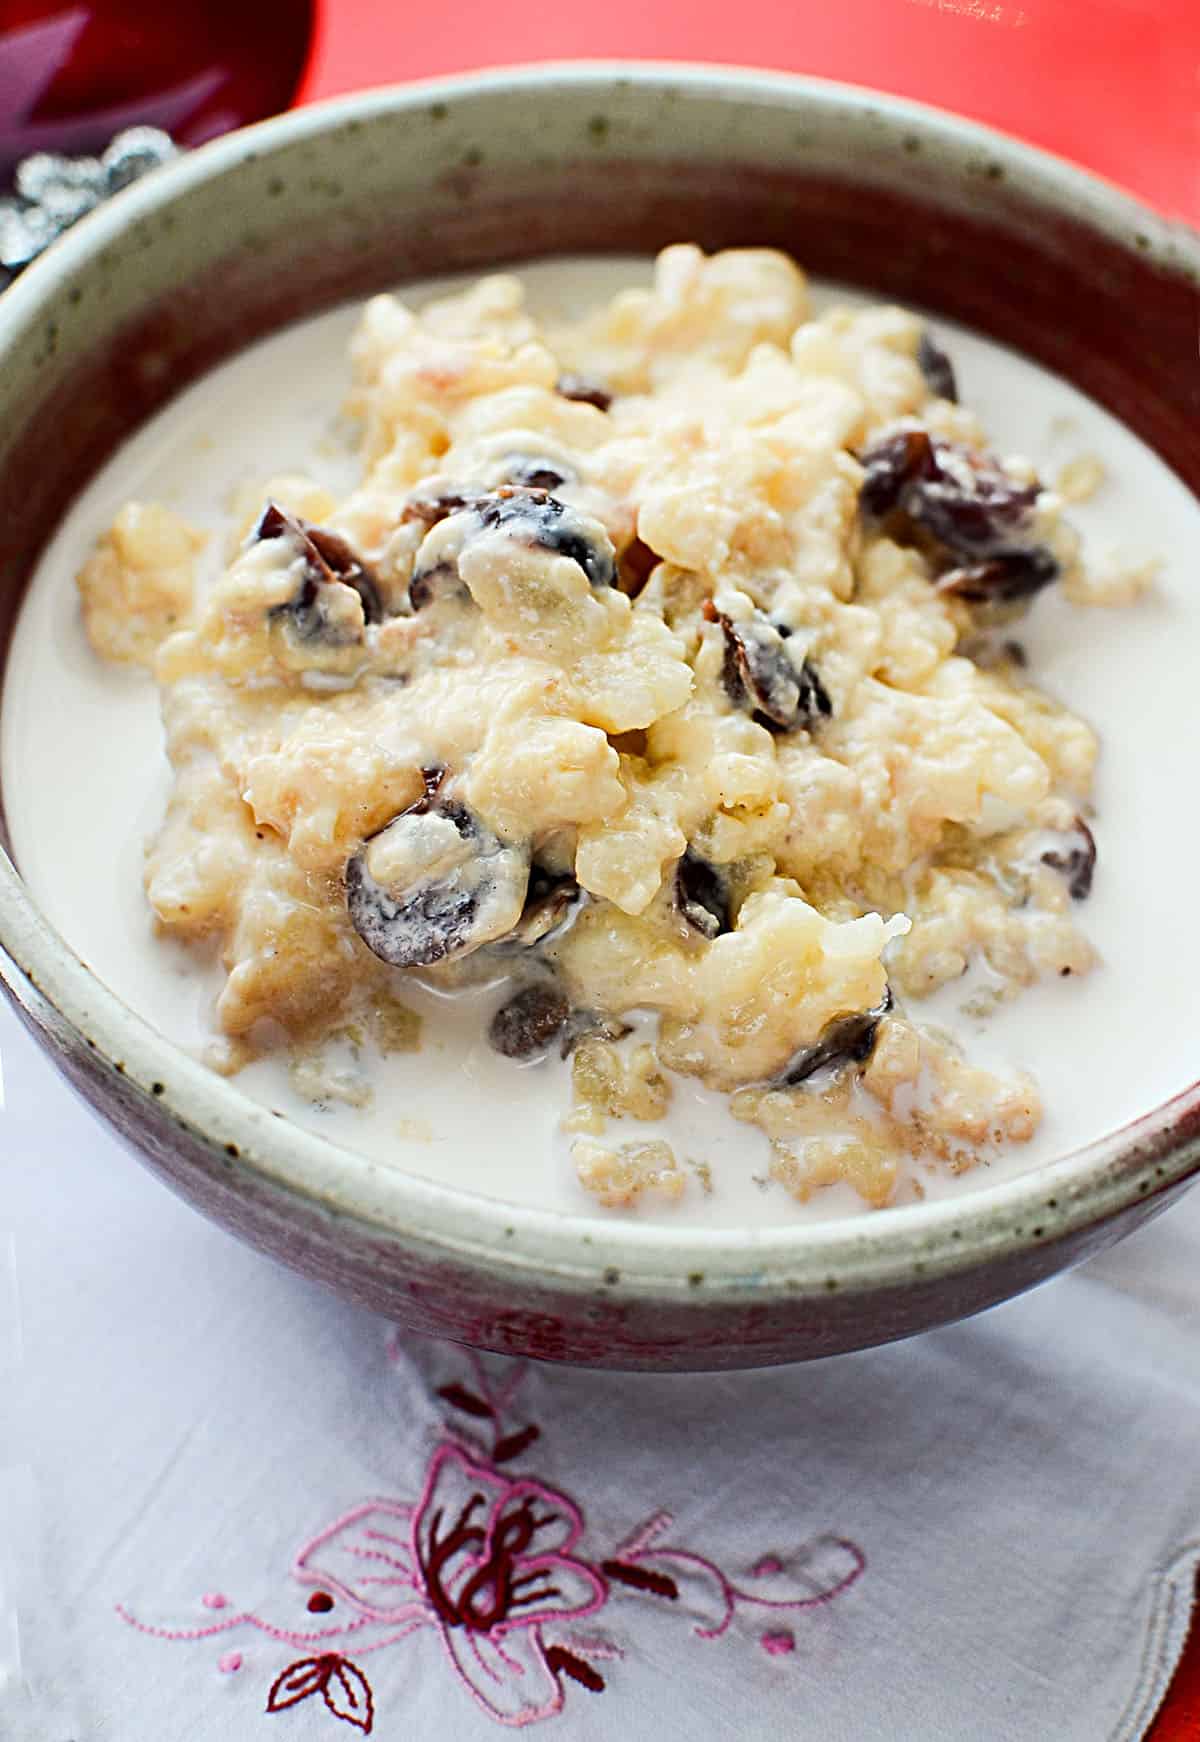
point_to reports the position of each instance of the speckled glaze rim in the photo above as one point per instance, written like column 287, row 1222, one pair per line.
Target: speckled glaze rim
column 867, row 1252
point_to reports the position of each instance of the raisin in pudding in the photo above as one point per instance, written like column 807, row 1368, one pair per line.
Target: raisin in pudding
column 624, row 749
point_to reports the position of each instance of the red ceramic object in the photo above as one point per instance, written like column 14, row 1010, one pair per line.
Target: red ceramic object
column 74, row 73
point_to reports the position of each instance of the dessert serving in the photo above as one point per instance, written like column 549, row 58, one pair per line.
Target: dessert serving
column 637, row 694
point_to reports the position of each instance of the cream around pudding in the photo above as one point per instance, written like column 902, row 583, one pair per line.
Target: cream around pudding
column 651, row 698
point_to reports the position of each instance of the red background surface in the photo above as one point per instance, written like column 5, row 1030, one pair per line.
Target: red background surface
column 1114, row 84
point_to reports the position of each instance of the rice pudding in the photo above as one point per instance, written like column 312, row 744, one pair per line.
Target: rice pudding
column 630, row 702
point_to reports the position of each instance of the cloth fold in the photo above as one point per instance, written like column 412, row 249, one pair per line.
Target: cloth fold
column 231, row 1505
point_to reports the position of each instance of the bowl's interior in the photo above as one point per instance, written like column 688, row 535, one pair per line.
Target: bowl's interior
column 284, row 220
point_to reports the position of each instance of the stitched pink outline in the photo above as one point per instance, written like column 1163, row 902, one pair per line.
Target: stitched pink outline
column 486, row 1659
column 639, row 1546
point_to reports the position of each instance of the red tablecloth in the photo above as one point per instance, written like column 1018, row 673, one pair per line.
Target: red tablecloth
column 1114, row 84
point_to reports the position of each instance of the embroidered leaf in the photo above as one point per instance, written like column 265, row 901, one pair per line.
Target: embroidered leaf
column 341, row 1684
column 512, row 1445
column 640, row 1578
column 348, row 1695
column 298, row 1682
column 458, row 1397
column 562, row 1662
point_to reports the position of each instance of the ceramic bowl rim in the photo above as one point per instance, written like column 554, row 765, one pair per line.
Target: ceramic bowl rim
column 867, row 1251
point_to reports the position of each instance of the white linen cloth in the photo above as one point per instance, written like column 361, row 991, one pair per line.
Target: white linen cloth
column 991, row 1531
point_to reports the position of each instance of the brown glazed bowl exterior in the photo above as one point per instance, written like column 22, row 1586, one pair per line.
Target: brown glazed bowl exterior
column 344, row 199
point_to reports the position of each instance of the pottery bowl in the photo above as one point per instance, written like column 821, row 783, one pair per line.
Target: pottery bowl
column 338, row 201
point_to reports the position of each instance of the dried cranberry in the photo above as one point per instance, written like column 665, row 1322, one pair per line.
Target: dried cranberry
column 530, row 516
column 814, row 697
column 327, row 558
column 541, row 519
column 969, row 503
column 537, row 472
column 937, row 368
column 588, row 392
column 431, row 506
column 435, row 572
column 276, row 522
column 891, row 465
column 964, row 500
column 846, row 1040
column 348, row 567
column 548, row 904
column 1078, row 863
column 526, row 1026
column 416, row 932
column 1009, row 575
column 427, row 583
column 702, row 895
column 430, row 918
column 638, row 563
column 969, row 506
column 760, row 677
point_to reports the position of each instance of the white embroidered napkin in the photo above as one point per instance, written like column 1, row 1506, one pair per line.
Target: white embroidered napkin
column 232, row 1507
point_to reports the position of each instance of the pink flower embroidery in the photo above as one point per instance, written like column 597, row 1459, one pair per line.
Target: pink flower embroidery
column 483, row 1557
column 491, row 1561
